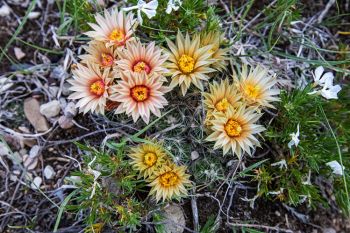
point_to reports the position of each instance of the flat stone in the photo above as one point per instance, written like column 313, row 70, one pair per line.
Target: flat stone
column 32, row 113
column 30, row 163
column 174, row 214
column 50, row 109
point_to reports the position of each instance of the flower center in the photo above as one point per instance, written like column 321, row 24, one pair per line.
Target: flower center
column 168, row 179
column 106, row 59
column 186, row 63
column 140, row 93
column 233, row 128
column 222, row 105
column 252, row 91
column 150, row 159
column 117, row 35
column 97, row 87
column 141, row 66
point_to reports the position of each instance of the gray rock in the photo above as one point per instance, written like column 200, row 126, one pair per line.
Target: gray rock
column 70, row 110
column 32, row 113
column 50, row 109
column 174, row 214
column 63, row 102
column 194, row 155
column 5, row 10
column 65, row 89
column 34, row 151
column 36, row 183
column 65, row 122
column 58, row 73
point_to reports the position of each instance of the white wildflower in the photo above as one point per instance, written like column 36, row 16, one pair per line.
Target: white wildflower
column 329, row 91
column 319, row 77
column 282, row 164
column 148, row 8
column 295, row 138
column 326, row 81
column 336, row 167
column 173, row 5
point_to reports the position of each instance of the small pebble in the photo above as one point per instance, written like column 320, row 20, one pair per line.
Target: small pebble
column 5, row 10
column 194, row 155
column 34, row 15
column 58, row 73
column 65, row 122
column 65, row 89
column 70, row 110
column 50, row 109
column 19, row 53
column 34, row 151
column 36, row 183
column 49, row 172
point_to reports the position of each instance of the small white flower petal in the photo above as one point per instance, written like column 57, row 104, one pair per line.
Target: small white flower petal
column 336, row 167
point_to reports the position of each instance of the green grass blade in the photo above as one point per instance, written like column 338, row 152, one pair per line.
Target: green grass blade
column 61, row 209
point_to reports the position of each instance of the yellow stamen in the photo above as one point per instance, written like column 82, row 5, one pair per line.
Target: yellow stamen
column 186, row 63
column 141, row 66
column 222, row 105
column 117, row 35
column 150, row 159
column 252, row 91
column 233, row 128
column 97, row 87
column 106, row 59
column 140, row 93
column 169, row 179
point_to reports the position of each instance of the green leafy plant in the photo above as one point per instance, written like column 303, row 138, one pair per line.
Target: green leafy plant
column 298, row 180
column 106, row 189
